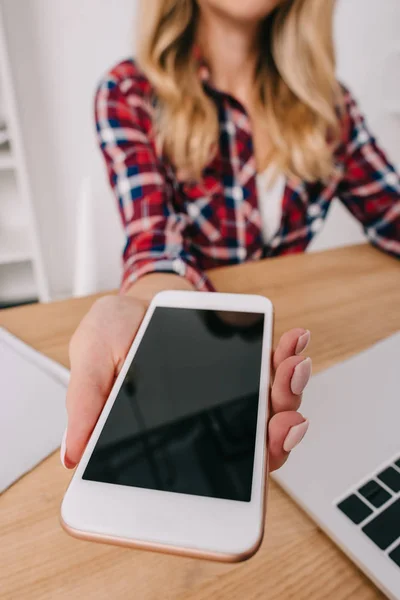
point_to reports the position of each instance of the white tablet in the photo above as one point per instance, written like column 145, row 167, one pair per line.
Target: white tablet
column 177, row 461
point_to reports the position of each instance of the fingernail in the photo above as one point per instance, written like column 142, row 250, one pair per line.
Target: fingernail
column 301, row 376
column 303, row 342
column 63, row 449
column 295, row 436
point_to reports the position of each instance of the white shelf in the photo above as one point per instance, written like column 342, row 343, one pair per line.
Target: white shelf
column 22, row 271
column 7, row 161
column 14, row 246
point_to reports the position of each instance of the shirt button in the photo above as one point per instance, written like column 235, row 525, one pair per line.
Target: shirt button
column 179, row 267
column 362, row 137
column 237, row 193
column 316, row 225
column 314, row 210
column 241, row 253
column 193, row 210
column 391, row 179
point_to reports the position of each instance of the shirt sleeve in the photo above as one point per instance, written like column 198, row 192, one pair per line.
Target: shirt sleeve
column 370, row 187
column 155, row 232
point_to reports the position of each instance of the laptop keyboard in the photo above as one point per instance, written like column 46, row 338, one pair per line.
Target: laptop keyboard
column 375, row 508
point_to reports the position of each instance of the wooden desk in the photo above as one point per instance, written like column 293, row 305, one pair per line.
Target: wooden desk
column 349, row 299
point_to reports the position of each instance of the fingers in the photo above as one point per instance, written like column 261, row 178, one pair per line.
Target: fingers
column 291, row 378
column 285, row 432
column 287, row 427
column 292, row 343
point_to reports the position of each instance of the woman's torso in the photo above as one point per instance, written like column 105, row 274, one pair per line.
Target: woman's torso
column 220, row 215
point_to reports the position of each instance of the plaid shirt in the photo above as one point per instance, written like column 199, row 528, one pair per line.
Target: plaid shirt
column 183, row 227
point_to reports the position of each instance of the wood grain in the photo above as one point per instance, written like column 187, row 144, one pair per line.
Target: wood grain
column 349, row 299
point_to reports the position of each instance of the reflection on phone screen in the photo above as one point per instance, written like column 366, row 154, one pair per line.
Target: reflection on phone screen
column 185, row 417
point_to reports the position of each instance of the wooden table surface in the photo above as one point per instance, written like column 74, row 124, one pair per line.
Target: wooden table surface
column 349, row 299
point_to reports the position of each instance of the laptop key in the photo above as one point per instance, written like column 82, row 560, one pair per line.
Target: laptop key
column 374, row 493
column 395, row 555
column 355, row 509
column 391, row 478
column 385, row 528
column 397, row 463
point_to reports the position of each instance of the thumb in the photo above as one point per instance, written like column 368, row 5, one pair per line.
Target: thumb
column 92, row 376
column 97, row 351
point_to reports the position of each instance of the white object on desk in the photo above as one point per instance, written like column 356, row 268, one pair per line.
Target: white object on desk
column 32, row 407
column 354, row 412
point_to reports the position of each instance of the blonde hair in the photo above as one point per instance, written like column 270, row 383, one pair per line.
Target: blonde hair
column 298, row 91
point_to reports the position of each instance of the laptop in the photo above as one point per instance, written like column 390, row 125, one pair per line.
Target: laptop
column 346, row 473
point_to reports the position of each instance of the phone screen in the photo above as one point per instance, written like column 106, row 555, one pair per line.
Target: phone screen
column 185, row 417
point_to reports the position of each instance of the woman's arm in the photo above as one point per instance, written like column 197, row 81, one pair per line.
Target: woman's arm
column 370, row 188
column 148, row 286
column 156, row 233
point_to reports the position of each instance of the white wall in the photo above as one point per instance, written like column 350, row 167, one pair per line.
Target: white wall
column 368, row 54
column 367, row 34
column 60, row 48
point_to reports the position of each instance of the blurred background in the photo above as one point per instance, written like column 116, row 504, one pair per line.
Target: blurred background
column 59, row 227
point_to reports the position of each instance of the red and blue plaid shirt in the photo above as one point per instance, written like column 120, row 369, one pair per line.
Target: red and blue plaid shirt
column 185, row 228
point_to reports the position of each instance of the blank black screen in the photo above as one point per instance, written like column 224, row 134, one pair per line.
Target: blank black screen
column 185, row 417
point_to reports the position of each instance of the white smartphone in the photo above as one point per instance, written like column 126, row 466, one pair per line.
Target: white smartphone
column 178, row 459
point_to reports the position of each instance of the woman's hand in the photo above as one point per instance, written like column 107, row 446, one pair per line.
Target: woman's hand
column 97, row 353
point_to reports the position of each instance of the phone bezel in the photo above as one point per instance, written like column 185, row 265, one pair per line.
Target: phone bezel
column 214, row 528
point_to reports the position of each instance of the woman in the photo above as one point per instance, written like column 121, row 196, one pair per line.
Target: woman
column 225, row 142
